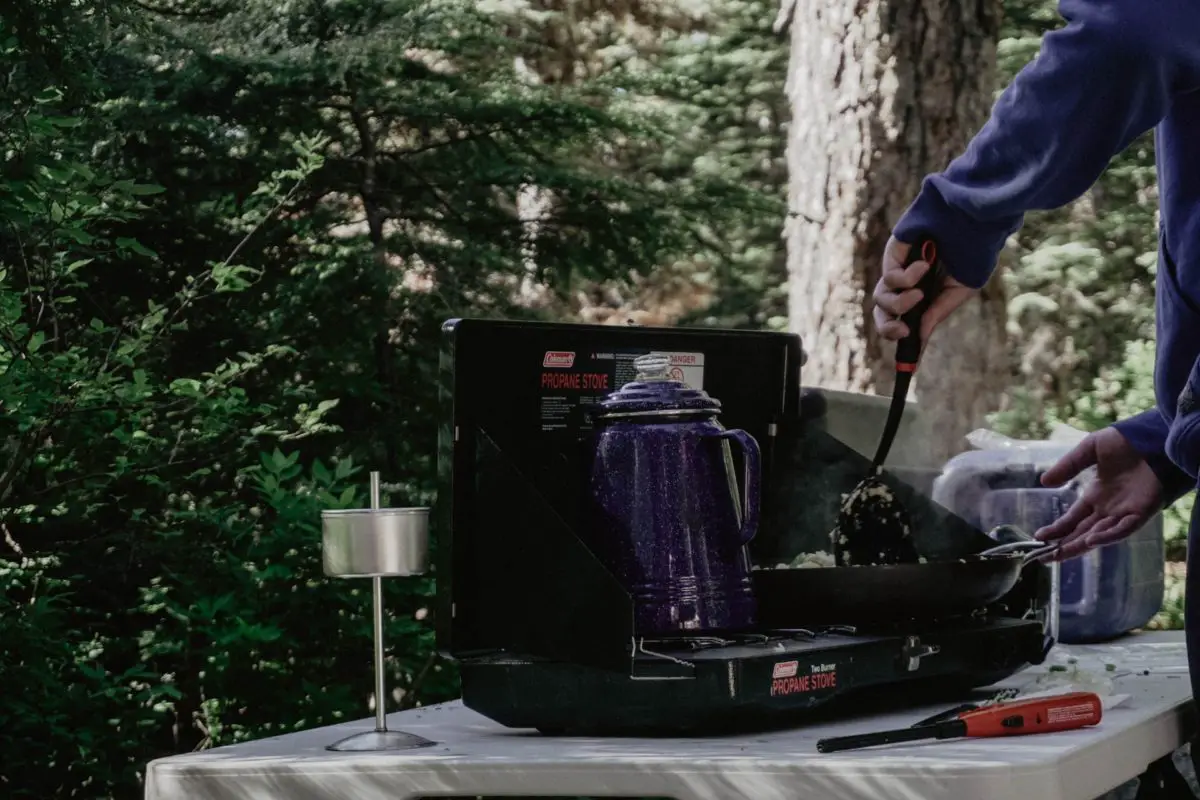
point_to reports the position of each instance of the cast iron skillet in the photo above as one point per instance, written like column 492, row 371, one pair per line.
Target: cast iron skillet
column 893, row 593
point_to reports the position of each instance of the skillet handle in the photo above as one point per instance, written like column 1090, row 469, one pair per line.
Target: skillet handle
column 1039, row 554
column 1026, row 545
column 750, row 482
column 1032, row 549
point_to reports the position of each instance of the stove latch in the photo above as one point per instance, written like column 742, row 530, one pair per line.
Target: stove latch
column 914, row 650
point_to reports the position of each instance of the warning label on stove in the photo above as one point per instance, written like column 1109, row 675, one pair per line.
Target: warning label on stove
column 687, row 367
column 571, row 382
column 787, row 679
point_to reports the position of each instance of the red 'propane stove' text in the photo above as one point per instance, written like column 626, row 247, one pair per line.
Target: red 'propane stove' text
column 804, row 683
column 575, row 380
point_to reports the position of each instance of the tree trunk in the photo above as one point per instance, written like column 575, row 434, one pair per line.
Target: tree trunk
column 883, row 92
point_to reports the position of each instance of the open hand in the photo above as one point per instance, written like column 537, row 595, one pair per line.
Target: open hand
column 1123, row 497
column 895, row 296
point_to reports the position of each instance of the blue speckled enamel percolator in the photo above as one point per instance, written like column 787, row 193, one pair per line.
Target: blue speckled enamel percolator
column 672, row 524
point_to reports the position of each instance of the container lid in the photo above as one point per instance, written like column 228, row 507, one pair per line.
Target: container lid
column 654, row 390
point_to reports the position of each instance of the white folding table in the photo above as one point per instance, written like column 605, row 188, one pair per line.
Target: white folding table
column 475, row 756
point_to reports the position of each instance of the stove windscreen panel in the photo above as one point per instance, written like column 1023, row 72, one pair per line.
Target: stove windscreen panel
column 824, row 454
column 515, row 572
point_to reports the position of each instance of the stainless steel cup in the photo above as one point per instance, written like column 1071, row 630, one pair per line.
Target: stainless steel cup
column 373, row 543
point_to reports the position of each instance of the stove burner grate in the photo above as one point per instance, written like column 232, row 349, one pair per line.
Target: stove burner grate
column 661, row 648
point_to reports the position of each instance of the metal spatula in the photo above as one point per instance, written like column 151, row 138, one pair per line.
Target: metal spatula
column 873, row 526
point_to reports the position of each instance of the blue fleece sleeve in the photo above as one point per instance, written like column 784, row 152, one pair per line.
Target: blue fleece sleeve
column 1147, row 432
column 1183, row 437
column 1097, row 84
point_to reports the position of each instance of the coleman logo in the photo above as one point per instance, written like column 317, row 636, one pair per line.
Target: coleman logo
column 556, row 359
column 785, row 669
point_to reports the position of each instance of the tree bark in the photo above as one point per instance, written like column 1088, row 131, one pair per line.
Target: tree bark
column 882, row 93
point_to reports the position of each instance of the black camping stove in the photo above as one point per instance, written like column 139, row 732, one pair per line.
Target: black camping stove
column 544, row 634
column 745, row 682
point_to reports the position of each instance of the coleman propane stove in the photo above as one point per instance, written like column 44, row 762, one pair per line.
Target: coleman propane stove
column 542, row 590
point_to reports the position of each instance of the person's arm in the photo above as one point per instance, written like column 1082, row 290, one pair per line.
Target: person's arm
column 1097, row 84
column 1147, row 434
column 1183, row 435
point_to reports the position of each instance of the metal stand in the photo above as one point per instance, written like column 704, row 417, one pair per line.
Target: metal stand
column 380, row 738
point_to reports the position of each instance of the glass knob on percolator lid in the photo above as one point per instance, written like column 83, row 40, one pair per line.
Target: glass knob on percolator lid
column 652, row 367
column 653, row 389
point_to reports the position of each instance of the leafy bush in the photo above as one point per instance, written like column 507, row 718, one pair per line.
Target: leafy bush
column 236, row 231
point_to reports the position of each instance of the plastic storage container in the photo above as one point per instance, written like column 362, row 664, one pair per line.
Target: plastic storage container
column 1102, row 594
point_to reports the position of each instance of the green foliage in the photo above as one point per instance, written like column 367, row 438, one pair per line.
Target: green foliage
column 737, row 113
column 136, row 597
column 231, row 233
column 246, row 639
